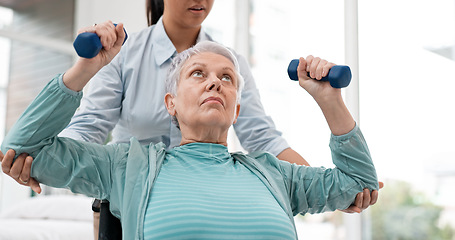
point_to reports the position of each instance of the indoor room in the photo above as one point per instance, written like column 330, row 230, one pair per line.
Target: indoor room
column 401, row 57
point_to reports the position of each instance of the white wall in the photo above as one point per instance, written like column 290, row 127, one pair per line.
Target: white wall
column 130, row 13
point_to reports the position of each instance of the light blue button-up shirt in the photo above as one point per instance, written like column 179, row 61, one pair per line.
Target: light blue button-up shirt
column 127, row 98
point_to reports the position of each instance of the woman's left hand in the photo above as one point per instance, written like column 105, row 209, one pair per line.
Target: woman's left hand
column 310, row 71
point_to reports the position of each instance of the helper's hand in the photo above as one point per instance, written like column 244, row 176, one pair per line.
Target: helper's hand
column 20, row 169
column 363, row 200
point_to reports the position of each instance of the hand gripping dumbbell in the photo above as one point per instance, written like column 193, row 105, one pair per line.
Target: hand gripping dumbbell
column 339, row 76
column 88, row 44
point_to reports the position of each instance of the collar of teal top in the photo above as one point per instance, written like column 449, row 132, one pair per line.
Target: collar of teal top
column 202, row 151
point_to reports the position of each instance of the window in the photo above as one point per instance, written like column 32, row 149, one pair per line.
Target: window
column 406, row 97
column 6, row 16
column 406, row 62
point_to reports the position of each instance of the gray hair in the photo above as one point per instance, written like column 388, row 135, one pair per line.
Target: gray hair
column 178, row 62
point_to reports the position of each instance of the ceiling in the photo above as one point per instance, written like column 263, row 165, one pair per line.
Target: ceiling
column 20, row 4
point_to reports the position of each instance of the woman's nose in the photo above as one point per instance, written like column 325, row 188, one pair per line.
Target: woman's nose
column 214, row 84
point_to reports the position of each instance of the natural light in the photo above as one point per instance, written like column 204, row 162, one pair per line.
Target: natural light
column 406, row 81
column 406, row 62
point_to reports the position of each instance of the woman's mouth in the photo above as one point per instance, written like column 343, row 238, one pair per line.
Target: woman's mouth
column 213, row 100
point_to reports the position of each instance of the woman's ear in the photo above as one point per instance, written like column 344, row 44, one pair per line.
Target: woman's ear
column 169, row 102
column 237, row 112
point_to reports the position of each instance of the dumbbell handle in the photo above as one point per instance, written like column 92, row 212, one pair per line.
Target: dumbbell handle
column 88, row 44
column 339, row 76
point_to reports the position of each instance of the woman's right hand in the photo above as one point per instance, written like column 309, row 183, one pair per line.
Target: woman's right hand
column 84, row 69
column 111, row 37
column 19, row 169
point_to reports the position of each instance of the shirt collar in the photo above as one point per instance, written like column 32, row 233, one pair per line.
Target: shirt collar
column 204, row 152
column 163, row 49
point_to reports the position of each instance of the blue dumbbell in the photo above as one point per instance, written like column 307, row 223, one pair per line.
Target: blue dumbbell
column 339, row 76
column 88, row 44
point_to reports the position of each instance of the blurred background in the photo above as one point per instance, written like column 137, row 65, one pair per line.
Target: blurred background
column 402, row 54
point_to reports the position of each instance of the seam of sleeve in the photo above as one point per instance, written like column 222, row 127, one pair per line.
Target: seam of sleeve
column 345, row 137
column 65, row 89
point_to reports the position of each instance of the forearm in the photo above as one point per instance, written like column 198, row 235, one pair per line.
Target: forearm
column 80, row 74
column 337, row 115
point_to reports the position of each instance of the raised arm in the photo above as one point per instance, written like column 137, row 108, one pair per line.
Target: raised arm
column 257, row 131
column 355, row 170
column 100, row 107
column 60, row 162
column 75, row 79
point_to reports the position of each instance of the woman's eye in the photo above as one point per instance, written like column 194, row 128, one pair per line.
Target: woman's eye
column 226, row 78
column 197, row 74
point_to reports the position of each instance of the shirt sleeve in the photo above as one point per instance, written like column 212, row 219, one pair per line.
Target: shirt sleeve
column 256, row 130
column 100, row 107
column 316, row 190
column 58, row 161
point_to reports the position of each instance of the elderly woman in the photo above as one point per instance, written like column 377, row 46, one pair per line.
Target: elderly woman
column 197, row 190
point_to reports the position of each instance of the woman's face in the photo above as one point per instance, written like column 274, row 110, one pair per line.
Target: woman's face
column 206, row 93
column 187, row 13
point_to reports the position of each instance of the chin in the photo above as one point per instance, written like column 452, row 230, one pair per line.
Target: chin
column 216, row 123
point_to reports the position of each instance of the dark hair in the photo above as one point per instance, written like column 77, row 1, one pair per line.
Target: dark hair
column 155, row 10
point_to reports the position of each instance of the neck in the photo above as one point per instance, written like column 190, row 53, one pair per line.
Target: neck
column 181, row 37
column 192, row 135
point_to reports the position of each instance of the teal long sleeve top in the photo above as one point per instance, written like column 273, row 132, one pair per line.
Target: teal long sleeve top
column 125, row 174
